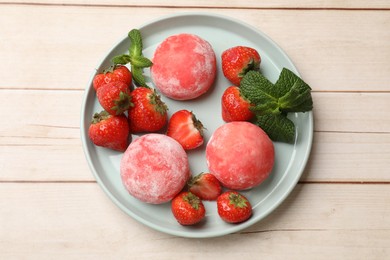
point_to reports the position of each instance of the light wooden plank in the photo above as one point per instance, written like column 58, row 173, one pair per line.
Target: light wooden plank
column 77, row 220
column 222, row 4
column 335, row 157
column 67, row 42
column 348, row 157
column 44, row 163
column 51, row 115
column 44, row 128
column 352, row 112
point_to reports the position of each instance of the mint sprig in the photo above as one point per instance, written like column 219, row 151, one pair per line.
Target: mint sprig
column 272, row 102
column 135, row 57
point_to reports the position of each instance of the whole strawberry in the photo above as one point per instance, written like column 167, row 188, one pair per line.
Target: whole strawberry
column 109, row 131
column 237, row 61
column 113, row 74
column 149, row 113
column 184, row 127
column 233, row 207
column 114, row 97
column 234, row 106
column 187, row 208
column 206, row 186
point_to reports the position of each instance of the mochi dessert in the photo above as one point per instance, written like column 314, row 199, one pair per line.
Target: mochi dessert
column 184, row 67
column 240, row 155
column 154, row 168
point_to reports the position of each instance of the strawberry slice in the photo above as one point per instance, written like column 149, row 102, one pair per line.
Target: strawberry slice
column 185, row 128
column 206, row 186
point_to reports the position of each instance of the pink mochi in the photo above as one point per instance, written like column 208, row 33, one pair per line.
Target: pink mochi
column 154, row 168
column 184, row 67
column 240, row 155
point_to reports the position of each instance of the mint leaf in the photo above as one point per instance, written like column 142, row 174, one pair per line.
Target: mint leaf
column 140, row 61
column 296, row 93
column 138, row 76
column 277, row 126
column 265, row 108
column 121, row 59
column 136, row 46
column 272, row 102
column 260, row 92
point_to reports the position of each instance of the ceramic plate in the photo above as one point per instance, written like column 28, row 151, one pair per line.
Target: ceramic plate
column 222, row 33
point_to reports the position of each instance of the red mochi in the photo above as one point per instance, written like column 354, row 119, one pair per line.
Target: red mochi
column 240, row 155
column 154, row 168
column 184, row 67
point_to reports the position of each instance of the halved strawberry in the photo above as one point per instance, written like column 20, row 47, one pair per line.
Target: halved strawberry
column 185, row 128
column 206, row 186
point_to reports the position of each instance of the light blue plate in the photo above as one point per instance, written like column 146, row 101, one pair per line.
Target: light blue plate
column 222, row 33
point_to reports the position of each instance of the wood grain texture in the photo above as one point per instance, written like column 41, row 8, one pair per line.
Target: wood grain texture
column 52, row 207
column 67, row 43
column 317, row 4
column 335, row 157
column 312, row 223
column 347, row 134
column 56, row 114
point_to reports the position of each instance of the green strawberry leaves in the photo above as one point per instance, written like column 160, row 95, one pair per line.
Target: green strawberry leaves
column 135, row 57
column 272, row 102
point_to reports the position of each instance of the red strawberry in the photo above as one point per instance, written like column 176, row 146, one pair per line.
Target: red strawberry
column 234, row 106
column 233, row 207
column 149, row 113
column 187, row 208
column 206, row 186
column 185, row 128
column 118, row 73
column 114, row 97
column 109, row 131
column 237, row 61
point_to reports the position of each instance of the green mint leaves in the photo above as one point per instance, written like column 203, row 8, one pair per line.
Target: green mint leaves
column 272, row 102
column 135, row 57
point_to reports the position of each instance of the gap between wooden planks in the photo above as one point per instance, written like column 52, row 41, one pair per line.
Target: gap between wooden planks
column 323, row 44
column 249, row 4
column 78, row 219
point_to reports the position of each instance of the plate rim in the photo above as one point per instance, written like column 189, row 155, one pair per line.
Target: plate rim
column 234, row 228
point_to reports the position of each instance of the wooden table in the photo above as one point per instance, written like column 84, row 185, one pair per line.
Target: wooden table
column 50, row 204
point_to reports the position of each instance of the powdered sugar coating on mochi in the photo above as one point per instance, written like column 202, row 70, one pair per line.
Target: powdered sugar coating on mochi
column 154, row 168
column 184, row 67
column 240, row 155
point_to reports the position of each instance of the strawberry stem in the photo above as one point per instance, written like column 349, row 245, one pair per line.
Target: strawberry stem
column 198, row 124
column 123, row 103
column 97, row 117
column 194, row 180
column 192, row 199
column 237, row 200
column 159, row 105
